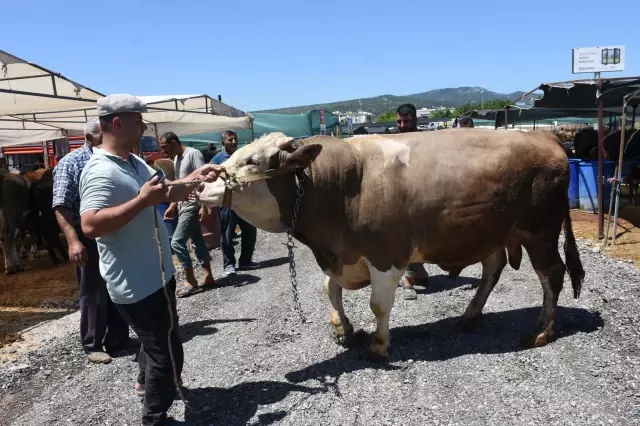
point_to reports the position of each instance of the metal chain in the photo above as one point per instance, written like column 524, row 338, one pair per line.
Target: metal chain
column 290, row 245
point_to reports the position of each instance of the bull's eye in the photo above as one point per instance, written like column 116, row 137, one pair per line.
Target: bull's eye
column 251, row 162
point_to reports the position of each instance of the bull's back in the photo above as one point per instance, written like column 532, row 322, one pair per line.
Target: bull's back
column 455, row 192
column 457, row 165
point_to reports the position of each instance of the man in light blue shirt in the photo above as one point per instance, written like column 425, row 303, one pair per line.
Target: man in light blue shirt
column 118, row 195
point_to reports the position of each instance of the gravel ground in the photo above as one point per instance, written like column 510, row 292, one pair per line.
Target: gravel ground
column 250, row 361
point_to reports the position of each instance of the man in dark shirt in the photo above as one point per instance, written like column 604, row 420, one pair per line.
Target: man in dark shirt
column 407, row 121
column 229, row 220
column 100, row 322
column 466, row 122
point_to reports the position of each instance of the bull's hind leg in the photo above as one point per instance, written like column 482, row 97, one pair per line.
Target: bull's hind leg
column 338, row 319
column 492, row 268
column 550, row 269
column 383, row 293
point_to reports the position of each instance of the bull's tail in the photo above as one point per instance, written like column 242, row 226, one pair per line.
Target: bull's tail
column 574, row 265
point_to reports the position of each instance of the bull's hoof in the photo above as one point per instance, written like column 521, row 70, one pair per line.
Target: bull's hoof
column 466, row 324
column 343, row 339
column 539, row 340
column 379, row 350
column 13, row 269
column 352, row 340
column 376, row 357
column 454, row 274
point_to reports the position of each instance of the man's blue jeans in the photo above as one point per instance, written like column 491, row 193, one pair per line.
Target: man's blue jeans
column 188, row 227
column 228, row 221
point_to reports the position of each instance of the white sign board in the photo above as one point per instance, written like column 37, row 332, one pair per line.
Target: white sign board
column 598, row 59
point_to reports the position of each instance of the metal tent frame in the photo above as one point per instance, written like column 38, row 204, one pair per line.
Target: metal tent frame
column 584, row 95
column 38, row 104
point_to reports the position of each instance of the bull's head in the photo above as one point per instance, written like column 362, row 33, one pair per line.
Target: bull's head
column 253, row 201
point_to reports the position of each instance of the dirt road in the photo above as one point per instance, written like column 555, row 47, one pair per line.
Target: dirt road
column 249, row 360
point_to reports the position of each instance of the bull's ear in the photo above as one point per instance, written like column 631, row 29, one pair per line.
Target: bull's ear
column 283, row 142
column 302, row 156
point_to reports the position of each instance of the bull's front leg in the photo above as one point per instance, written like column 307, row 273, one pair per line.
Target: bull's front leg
column 383, row 292
column 15, row 254
column 6, row 244
column 337, row 317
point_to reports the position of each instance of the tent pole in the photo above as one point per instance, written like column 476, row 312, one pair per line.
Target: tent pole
column 611, row 197
column 618, row 175
column 253, row 135
column 506, row 117
column 45, row 151
column 600, row 164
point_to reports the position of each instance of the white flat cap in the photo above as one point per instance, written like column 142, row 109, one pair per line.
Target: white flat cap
column 113, row 104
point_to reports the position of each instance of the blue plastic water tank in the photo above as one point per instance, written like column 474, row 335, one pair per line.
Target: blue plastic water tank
column 588, row 187
column 574, row 197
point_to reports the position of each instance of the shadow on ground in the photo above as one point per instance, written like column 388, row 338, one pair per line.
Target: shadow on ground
column 205, row 327
column 496, row 333
column 238, row 404
column 272, row 263
column 235, row 280
column 440, row 283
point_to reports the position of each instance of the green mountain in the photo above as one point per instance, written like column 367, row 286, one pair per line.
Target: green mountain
column 448, row 97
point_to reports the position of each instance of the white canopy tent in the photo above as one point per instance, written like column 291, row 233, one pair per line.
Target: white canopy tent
column 37, row 104
column 26, row 87
column 181, row 114
column 18, row 132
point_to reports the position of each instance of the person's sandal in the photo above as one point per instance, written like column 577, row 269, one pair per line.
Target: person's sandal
column 139, row 390
column 186, row 290
column 99, row 357
column 409, row 293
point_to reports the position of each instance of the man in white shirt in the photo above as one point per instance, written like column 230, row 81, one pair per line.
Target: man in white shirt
column 186, row 160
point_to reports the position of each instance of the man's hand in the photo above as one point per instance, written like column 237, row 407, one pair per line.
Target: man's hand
column 78, row 253
column 207, row 173
column 153, row 193
column 204, row 213
column 170, row 213
column 181, row 189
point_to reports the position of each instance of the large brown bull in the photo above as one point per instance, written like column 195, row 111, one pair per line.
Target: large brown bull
column 373, row 204
column 42, row 218
column 14, row 209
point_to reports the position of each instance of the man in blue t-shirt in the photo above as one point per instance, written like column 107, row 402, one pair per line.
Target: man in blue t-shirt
column 229, row 220
column 118, row 196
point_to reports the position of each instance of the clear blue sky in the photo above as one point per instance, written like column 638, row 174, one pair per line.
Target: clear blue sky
column 269, row 54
